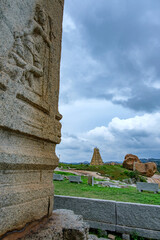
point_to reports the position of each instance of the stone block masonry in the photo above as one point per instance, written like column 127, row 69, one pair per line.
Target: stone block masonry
column 144, row 219
column 76, row 179
column 143, row 186
column 121, row 217
column 30, row 128
column 58, row 177
column 99, row 214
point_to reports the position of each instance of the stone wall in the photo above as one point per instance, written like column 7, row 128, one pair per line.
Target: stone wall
column 115, row 216
column 30, row 50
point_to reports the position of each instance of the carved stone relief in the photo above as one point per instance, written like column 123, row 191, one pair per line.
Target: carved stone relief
column 29, row 66
column 29, row 60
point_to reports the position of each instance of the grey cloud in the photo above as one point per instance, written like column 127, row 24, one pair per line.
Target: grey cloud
column 76, row 151
column 111, row 32
column 144, row 99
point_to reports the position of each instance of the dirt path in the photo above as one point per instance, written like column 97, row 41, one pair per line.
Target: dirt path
column 154, row 179
column 82, row 172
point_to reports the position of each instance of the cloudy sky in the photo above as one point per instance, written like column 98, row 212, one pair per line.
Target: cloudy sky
column 110, row 79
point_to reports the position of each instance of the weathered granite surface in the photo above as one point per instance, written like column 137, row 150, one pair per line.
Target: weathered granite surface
column 140, row 218
column 145, row 233
column 98, row 213
column 130, row 160
column 115, row 216
column 138, row 215
column 94, row 237
column 76, row 179
column 143, row 186
column 30, row 50
column 58, row 177
column 125, row 236
column 91, row 180
column 61, row 225
column 147, row 169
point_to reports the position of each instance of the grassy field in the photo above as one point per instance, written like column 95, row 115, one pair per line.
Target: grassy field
column 118, row 194
column 116, row 172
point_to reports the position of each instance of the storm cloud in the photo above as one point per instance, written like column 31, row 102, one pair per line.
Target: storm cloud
column 110, row 69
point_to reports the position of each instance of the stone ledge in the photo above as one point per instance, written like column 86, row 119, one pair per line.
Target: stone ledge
column 140, row 231
column 63, row 224
column 115, row 216
column 105, row 210
column 102, row 226
column 138, row 215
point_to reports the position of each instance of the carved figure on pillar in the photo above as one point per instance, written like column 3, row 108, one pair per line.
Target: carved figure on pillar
column 30, row 128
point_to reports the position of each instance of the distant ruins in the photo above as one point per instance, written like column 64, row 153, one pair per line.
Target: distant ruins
column 30, row 50
column 96, row 158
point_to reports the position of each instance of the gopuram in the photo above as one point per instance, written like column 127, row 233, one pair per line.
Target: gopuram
column 30, row 128
column 96, row 158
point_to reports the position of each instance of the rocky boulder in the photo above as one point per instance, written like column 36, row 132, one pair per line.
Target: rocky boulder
column 63, row 224
column 146, row 169
column 129, row 161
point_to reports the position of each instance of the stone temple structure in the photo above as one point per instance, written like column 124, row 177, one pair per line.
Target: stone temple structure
column 30, row 50
column 96, row 158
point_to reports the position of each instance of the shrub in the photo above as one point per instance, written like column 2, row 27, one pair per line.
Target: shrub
column 136, row 176
column 135, row 236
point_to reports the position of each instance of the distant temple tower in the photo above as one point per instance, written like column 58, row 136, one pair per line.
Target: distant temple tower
column 96, row 159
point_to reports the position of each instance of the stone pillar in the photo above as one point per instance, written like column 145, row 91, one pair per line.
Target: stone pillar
column 91, row 180
column 30, row 50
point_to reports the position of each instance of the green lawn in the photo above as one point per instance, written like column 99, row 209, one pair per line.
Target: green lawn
column 123, row 194
column 116, row 172
column 64, row 173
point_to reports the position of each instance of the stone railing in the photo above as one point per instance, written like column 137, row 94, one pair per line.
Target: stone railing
column 115, row 216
